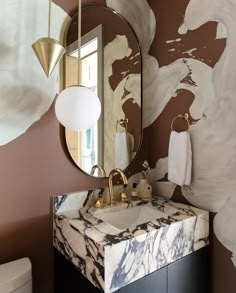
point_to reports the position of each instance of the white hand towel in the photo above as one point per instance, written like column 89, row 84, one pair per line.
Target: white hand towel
column 122, row 150
column 131, row 146
column 188, row 175
column 180, row 158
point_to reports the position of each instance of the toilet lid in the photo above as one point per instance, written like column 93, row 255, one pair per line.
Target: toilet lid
column 15, row 274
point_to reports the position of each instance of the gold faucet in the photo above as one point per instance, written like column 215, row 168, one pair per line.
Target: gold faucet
column 110, row 185
column 100, row 168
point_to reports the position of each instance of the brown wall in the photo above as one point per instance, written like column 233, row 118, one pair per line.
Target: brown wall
column 34, row 167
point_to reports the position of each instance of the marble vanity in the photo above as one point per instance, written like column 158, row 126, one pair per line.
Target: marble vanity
column 112, row 256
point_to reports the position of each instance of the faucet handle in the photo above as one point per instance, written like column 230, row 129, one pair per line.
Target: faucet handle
column 123, row 197
column 100, row 202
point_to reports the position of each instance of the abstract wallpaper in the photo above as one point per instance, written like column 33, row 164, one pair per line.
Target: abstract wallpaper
column 213, row 87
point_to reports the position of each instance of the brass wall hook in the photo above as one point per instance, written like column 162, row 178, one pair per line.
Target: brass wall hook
column 184, row 116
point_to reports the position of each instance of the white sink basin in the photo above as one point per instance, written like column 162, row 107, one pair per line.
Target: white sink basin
column 125, row 218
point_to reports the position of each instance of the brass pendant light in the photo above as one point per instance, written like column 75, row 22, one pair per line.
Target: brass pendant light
column 48, row 51
column 78, row 107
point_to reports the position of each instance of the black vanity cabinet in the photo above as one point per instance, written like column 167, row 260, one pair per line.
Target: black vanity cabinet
column 190, row 274
column 187, row 275
column 153, row 283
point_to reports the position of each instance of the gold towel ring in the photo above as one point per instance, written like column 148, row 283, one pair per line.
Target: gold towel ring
column 122, row 122
column 185, row 116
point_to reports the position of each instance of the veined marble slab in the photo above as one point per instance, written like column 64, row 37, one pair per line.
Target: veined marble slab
column 111, row 258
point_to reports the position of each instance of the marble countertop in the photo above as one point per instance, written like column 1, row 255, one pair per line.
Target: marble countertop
column 111, row 258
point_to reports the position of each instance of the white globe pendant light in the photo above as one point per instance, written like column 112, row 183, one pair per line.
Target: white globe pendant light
column 78, row 107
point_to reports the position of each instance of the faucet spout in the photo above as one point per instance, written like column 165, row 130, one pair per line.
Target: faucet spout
column 110, row 185
column 100, row 168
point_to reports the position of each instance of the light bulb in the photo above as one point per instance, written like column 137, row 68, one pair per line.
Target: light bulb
column 77, row 108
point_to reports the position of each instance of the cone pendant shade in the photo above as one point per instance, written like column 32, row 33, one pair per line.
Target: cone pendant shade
column 49, row 52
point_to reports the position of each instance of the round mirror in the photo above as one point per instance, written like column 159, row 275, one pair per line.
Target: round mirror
column 111, row 66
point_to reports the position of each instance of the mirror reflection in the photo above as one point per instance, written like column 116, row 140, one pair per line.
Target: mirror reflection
column 111, row 66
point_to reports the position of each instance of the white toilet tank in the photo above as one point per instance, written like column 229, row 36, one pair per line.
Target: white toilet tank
column 16, row 276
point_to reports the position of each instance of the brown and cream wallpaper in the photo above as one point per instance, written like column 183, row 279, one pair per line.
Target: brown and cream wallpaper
column 188, row 66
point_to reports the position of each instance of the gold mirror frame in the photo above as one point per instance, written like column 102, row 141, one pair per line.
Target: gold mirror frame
column 136, row 117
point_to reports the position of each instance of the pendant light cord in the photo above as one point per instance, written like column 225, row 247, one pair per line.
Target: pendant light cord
column 79, row 44
column 49, row 17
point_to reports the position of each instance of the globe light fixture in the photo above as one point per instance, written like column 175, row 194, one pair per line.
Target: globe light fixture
column 78, row 107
